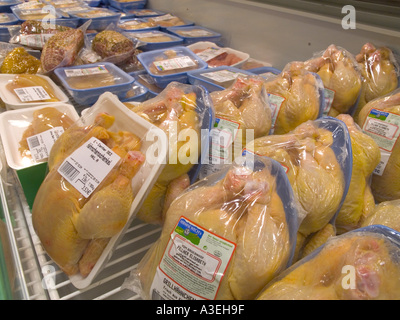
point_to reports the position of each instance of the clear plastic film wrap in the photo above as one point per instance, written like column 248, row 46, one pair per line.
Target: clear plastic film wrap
column 341, row 77
column 185, row 113
column 98, row 169
column 242, row 114
column 380, row 71
column 380, row 119
column 224, row 238
column 295, row 96
column 15, row 59
column 317, row 158
column 386, row 213
column 359, row 265
column 112, row 45
column 359, row 202
column 34, row 33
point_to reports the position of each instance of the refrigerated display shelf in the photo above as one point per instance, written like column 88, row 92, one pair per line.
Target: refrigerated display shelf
column 38, row 278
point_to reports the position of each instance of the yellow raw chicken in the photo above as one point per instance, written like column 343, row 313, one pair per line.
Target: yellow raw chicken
column 353, row 266
column 245, row 104
column 386, row 213
column 312, row 168
column 66, row 222
column 43, row 119
column 375, row 117
column 238, row 204
column 294, row 97
column 379, row 70
column 338, row 71
column 175, row 111
column 359, row 201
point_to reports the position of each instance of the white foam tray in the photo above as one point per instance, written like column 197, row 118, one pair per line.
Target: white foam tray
column 13, row 102
column 206, row 44
column 13, row 123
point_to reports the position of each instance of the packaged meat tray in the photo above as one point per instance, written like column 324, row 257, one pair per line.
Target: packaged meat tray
column 264, row 71
column 193, row 34
column 166, row 65
column 100, row 18
column 127, row 4
column 35, row 14
column 144, row 13
column 148, row 81
column 168, row 20
column 218, row 78
column 28, row 90
column 28, row 135
column 5, row 6
column 216, row 56
column 101, row 162
column 136, row 24
column 87, row 82
column 154, row 40
column 8, row 19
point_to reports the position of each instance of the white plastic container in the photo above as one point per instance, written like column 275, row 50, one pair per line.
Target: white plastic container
column 202, row 45
column 13, row 124
column 142, row 182
column 13, row 102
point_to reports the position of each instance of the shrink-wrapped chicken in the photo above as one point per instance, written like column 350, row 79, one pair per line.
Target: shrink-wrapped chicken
column 358, row 265
column 295, row 96
column 380, row 72
column 224, row 238
column 181, row 111
column 341, row 77
column 380, row 119
column 359, row 202
column 386, row 213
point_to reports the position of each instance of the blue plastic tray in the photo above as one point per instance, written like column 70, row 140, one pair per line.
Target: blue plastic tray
column 8, row 18
column 175, row 41
column 98, row 23
column 144, row 13
column 261, row 70
column 192, row 34
column 89, row 96
column 124, row 22
column 186, row 23
column 147, row 58
column 6, row 6
column 128, row 5
column 200, row 77
column 141, row 93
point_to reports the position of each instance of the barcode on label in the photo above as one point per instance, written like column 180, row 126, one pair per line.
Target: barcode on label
column 33, row 142
column 69, row 170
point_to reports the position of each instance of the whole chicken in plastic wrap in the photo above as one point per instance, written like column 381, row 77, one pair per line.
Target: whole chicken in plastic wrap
column 315, row 169
column 179, row 111
column 386, row 213
column 242, row 113
column 380, row 72
column 359, row 201
column 339, row 72
column 358, row 265
column 294, row 96
column 73, row 225
column 224, row 238
column 380, row 119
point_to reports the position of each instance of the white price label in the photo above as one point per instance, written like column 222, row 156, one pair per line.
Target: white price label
column 174, row 63
column 79, row 72
column 40, row 144
column 193, row 264
column 30, row 94
column 88, row 165
column 210, row 53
